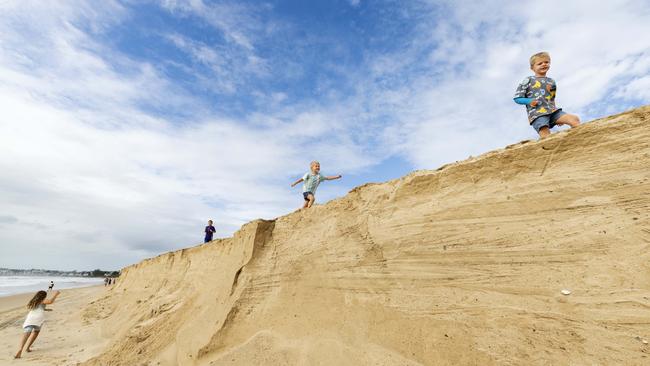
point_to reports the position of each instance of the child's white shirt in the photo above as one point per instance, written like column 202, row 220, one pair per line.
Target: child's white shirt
column 35, row 316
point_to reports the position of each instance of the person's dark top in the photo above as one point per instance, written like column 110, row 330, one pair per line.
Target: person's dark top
column 209, row 230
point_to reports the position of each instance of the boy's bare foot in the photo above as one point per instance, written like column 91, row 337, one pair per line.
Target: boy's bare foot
column 18, row 355
column 28, row 350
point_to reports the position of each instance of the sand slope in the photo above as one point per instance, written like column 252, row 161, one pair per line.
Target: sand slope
column 459, row 266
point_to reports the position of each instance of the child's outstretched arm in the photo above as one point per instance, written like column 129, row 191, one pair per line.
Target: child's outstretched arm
column 296, row 182
column 525, row 101
column 52, row 299
column 332, row 177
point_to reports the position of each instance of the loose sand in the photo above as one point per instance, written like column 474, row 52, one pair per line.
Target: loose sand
column 66, row 338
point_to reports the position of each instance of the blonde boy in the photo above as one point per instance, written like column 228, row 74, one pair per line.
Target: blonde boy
column 537, row 93
column 311, row 181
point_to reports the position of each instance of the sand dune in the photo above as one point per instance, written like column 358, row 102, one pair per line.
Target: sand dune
column 460, row 266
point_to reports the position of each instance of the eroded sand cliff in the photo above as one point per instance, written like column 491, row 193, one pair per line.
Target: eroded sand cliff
column 459, row 266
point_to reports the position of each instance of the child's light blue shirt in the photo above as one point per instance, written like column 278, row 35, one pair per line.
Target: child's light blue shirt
column 311, row 181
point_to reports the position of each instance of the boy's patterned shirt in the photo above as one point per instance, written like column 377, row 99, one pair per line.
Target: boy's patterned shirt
column 311, row 182
column 541, row 89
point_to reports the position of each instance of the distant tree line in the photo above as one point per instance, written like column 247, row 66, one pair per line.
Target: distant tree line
column 100, row 273
column 48, row 272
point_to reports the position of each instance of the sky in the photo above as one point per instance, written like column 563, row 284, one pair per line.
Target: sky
column 125, row 125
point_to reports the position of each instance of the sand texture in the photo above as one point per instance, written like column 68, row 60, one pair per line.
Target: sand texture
column 460, row 266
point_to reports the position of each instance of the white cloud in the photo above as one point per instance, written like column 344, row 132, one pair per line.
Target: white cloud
column 639, row 88
column 237, row 21
column 228, row 69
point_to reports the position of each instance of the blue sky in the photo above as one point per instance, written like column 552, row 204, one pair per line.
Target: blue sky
column 127, row 124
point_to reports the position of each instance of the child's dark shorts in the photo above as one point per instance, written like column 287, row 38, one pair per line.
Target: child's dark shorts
column 306, row 195
column 547, row 120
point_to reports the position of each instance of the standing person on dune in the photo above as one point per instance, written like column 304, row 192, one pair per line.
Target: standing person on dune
column 35, row 318
column 537, row 93
column 209, row 230
column 311, row 181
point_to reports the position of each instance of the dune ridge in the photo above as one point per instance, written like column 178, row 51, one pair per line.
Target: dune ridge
column 459, row 266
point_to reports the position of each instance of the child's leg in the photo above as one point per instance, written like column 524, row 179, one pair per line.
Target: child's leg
column 307, row 196
column 542, row 125
column 22, row 344
column 544, row 132
column 32, row 339
column 311, row 200
column 568, row 119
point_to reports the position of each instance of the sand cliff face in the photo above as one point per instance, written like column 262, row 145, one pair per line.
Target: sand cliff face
column 459, row 266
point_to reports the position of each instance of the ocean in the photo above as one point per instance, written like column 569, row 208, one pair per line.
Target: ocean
column 12, row 285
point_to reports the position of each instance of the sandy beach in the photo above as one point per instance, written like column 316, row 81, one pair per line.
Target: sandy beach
column 66, row 338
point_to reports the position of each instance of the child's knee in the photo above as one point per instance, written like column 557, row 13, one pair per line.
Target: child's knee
column 569, row 119
column 544, row 130
column 572, row 120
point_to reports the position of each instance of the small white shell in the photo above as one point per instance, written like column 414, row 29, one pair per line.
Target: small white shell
column 566, row 292
column 644, row 341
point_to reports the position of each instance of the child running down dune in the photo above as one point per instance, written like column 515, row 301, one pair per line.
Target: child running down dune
column 311, row 181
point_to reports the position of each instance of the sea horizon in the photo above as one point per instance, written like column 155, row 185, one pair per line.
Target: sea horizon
column 20, row 284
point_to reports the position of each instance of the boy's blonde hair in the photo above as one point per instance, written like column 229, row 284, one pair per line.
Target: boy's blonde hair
column 534, row 57
column 314, row 162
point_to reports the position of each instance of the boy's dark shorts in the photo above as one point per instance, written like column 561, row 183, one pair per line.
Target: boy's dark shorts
column 306, row 195
column 547, row 120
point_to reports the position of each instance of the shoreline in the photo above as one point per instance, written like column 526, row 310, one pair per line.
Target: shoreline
column 16, row 285
column 14, row 301
column 3, row 297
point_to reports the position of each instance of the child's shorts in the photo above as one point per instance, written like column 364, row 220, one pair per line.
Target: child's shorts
column 31, row 328
column 306, row 195
column 547, row 120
